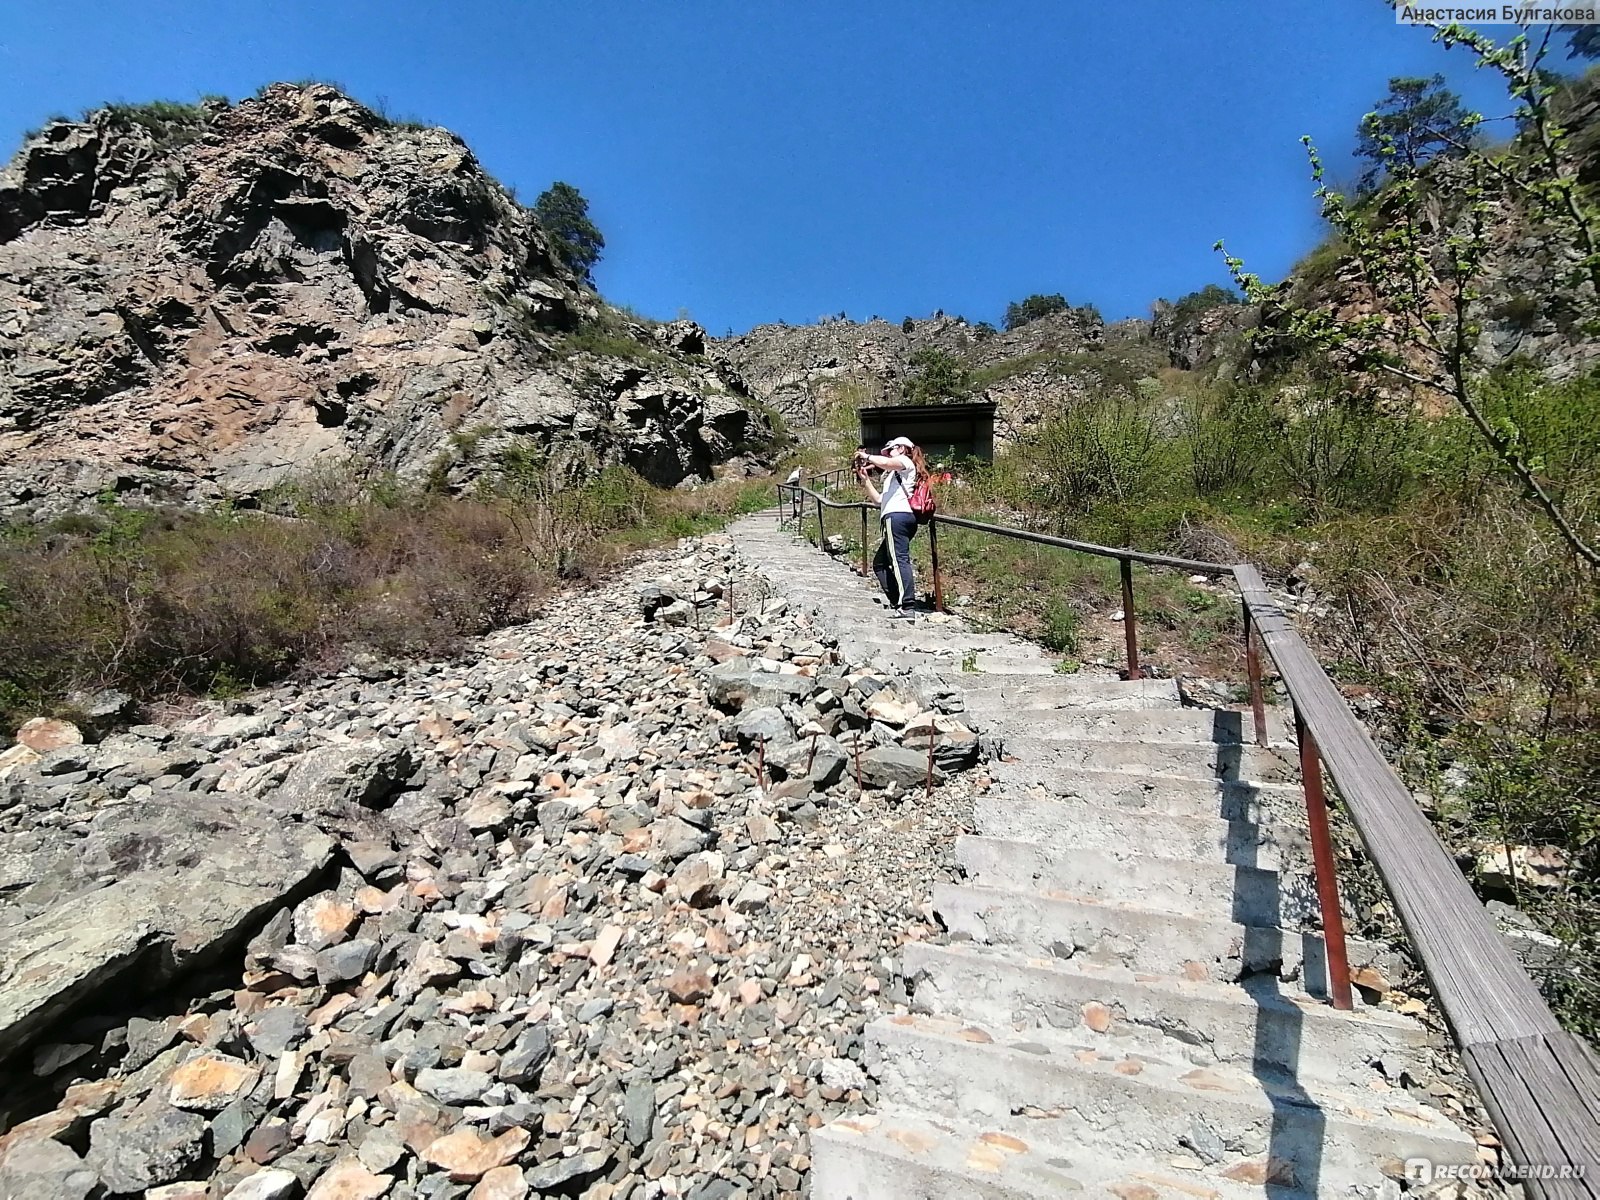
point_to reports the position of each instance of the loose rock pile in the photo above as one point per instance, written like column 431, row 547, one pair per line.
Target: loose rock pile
column 607, row 914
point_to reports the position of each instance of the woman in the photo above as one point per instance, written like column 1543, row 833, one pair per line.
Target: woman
column 902, row 462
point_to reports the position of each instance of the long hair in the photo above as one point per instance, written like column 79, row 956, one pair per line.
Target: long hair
column 918, row 460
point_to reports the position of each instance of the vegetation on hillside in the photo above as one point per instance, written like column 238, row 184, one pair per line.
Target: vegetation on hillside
column 1021, row 312
column 168, row 602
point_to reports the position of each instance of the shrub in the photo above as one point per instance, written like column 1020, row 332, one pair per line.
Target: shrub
column 1186, row 308
column 163, row 602
column 1020, row 312
column 1060, row 632
column 940, row 376
column 169, row 122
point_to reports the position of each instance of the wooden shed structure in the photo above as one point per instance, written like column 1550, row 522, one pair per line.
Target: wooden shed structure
column 942, row 430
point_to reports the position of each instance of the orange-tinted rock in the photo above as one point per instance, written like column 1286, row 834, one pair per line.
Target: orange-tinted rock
column 1097, row 1016
column 323, row 921
column 210, row 1082
column 468, row 1156
column 502, row 1183
column 689, row 987
column 349, row 1180
column 44, row 734
column 1261, row 1172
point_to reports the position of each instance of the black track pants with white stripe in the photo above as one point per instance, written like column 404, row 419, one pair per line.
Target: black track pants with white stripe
column 892, row 565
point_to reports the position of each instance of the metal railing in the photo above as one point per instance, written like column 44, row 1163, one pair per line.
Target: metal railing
column 1541, row 1084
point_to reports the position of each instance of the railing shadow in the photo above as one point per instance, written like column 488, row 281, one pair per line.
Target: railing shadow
column 1293, row 1166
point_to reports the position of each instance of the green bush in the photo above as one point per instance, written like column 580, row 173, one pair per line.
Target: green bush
column 169, row 122
column 1060, row 632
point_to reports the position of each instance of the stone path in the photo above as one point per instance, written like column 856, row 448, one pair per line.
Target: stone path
column 1128, row 1002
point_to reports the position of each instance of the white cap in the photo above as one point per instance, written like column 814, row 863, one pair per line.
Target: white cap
column 901, row 441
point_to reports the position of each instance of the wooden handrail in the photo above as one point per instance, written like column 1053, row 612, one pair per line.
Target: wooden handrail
column 1541, row 1084
column 1539, row 1081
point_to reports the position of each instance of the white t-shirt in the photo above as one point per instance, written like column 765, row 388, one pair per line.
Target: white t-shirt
column 897, row 487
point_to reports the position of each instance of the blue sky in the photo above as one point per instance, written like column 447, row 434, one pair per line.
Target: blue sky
column 751, row 160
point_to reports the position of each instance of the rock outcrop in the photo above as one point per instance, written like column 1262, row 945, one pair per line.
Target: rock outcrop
column 798, row 369
column 204, row 310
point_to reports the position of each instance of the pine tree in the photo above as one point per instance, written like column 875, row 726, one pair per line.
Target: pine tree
column 564, row 213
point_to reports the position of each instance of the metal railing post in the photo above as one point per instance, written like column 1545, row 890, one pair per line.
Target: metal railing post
column 933, row 554
column 822, row 528
column 1323, row 862
column 1252, row 666
column 864, row 568
column 1130, row 630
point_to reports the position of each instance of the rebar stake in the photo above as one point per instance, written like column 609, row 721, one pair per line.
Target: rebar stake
column 931, row 734
column 812, row 757
column 860, row 790
column 761, row 765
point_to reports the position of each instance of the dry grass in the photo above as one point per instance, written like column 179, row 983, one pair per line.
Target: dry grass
column 166, row 603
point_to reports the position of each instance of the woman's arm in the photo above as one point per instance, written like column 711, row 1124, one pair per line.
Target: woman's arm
column 872, row 492
column 889, row 462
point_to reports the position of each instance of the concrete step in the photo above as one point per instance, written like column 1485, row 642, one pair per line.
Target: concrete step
column 1047, row 925
column 1254, row 1026
column 1168, row 760
column 1082, row 825
column 1205, row 725
column 1249, row 895
column 984, row 692
column 1228, row 800
column 1321, row 1141
column 897, row 1154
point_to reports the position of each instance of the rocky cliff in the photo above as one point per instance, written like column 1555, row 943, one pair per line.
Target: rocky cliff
column 798, row 369
column 198, row 304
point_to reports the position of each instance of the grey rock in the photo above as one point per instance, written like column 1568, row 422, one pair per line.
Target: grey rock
column 210, row 877
column 151, row 1145
column 841, row 1073
column 767, row 725
column 365, row 774
column 552, row 1174
column 673, row 838
column 455, row 1086
column 269, row 1183
column 44, row 1169
column 527, row 1058
column 639, row 1113
column 556, row 817
column 347, row 961
column 884, row 765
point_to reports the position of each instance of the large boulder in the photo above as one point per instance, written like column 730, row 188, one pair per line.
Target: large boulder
column 198, row 880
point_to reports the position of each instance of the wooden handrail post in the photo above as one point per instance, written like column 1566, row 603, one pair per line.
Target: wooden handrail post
column 1252, row 665
column 933, row 554
column 1322, row 859
column 1130, row 629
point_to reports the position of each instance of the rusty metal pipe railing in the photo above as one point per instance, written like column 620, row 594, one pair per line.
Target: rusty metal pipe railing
column 1130, row 624
column 1323, row 867
column 1252, row 666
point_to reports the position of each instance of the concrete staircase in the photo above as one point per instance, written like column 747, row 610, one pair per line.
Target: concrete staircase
column 1129, row 1003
